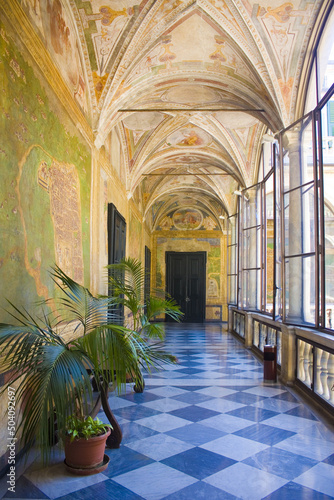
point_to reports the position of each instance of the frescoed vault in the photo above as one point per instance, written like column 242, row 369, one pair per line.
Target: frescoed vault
column 188, row 86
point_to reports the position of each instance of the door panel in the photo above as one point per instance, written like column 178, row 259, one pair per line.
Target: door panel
column 177, row 288
column 186, row 283
column 147, row 285
column 116, row 252
column 116, row 235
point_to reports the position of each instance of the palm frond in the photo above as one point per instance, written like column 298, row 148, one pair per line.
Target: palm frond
column 126, row 281
column 78, row 304
column 156, row 306
column 51, row 380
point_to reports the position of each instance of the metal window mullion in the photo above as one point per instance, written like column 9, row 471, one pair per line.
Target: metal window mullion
column 306, row 254
column 264, row 259
column 305, row 184
column 274, row 235
column 228, row 284
column 314, row 365
column 238, row 230
column 257, row 226
column 316, row 153
column 317, row 69
column 283, row 272
column 321, row 242
column 252, row 268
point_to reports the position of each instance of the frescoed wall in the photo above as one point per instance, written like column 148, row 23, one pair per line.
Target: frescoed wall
column 44, row 183
column 55, row 27
column 211, row 242
column 134, row 245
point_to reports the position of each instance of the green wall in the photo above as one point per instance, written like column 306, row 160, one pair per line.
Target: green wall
column 44, row 183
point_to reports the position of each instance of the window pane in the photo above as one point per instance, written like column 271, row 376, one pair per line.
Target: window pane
column 308, row 219
column 251, row 246
column 232, row 259
column 266, row 160
column 309, row 299
column 306, row 151
column 299, row 224
column 232, row 292
column 269, row 248
column 299, row 221
column 311, row 99
column 298, row 156
column 325, row 56
column 327, row 127
column 286, row 171
column 300, row 289
column 250, row 284
column 251, row 249
column 286, row 223
column 329, row 266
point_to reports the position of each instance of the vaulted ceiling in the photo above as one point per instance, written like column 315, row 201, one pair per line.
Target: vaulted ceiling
column 188, row 87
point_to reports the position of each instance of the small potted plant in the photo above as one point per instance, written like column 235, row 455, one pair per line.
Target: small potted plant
column 84, row 442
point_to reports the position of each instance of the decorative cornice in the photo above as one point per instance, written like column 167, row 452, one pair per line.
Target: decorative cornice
column 16, row 17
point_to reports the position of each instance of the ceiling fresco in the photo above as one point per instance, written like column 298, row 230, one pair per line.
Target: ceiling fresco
column 188, row 86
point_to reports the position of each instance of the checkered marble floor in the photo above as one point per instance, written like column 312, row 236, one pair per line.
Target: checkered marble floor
column 207, row 427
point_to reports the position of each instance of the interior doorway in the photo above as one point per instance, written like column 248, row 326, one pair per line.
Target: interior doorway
column 116, row 252
column 185, row 282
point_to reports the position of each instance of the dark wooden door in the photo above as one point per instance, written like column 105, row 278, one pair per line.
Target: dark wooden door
column 116, row 235
column 147, row 284
column 116, row 252
column 185, row 273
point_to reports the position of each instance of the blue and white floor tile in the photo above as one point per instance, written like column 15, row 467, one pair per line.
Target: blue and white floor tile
column 206, row 428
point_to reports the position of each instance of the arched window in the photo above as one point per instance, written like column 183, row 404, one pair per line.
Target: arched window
column 322, row 73
column 308, row 180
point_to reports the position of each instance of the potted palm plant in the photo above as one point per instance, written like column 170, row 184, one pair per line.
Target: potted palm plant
column 145, row 311
column 53, row 376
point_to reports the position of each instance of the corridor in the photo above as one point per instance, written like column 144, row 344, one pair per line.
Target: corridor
column 207, row 427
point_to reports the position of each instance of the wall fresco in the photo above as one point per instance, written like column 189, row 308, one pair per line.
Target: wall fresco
column 55, row 27
column 44, row 184
column 213, row 313
column 187, row 219
column 134, row 245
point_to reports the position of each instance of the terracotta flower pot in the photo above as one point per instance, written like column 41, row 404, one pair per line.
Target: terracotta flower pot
column 85, row 453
